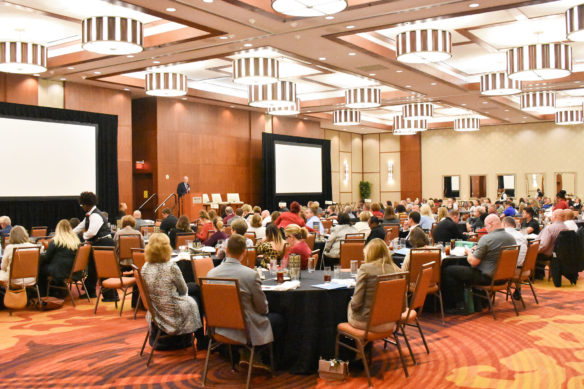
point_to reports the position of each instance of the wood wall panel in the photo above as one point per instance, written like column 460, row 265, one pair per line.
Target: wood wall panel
column 411, row 166
column 18, row 88
column 294, row 127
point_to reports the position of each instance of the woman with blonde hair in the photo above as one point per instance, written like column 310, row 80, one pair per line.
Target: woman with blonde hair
column 255, row 225
column 296, row 239
column 362, row 226
column 442, row 213
column 18, row 238
column 426, row 217
column 378, row 261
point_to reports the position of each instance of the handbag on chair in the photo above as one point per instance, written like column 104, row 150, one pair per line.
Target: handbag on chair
column 15, row 298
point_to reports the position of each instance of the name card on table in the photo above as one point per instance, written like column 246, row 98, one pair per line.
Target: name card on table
column 214, row 206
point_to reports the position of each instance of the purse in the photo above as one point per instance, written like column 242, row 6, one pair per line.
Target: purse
column 333, row 370
column 15, row 298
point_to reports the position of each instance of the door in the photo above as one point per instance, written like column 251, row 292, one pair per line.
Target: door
column 143, row 189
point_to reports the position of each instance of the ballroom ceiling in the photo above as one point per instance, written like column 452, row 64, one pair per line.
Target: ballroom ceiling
column 323, row 56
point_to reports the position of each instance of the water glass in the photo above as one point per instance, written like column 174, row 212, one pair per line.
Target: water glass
column 182, row 249
column 327, row 274
column 310, row 265
column 337, row 272
column 189, row 244
column 354, row 267
column 402, row 243
column 273, row 266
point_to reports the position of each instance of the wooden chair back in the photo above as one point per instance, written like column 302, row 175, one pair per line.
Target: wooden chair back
column 250, row 235
column 310, row 239
column 143, row 289
column 432, row 229
column 251, row 258
column 350, row 250
column 81, row 259
column 148, row 229
column 138, row 258
column 327, row 225
column 388, row 300
column 182, row 237
column 201, row 267
column 106, row 264
column 422, row 283
column 44, row 241
column 530, row 258
column 210, row 233
column 421, row 256
column 25, row 263
column 37, row 231
column 127, row 243
column 506, row 264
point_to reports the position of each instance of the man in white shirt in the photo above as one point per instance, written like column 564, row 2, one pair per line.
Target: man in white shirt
column 312, row 220
column 510, row 227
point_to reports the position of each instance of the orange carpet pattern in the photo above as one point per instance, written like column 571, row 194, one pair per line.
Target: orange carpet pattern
column 72, row 347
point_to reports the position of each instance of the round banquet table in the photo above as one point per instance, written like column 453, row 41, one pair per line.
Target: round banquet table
column 311, row 316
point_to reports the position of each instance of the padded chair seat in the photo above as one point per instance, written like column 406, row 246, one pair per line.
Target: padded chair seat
column 413, row 315
column 115, row 283
column 488, row 287
column 223, row 339
column 348, row 329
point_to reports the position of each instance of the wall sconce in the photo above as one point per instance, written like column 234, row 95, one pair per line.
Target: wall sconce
column 390, row 172
column 346, row 172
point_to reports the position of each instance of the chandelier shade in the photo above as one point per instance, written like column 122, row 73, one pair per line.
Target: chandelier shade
column 279, row 94
column 254, row 70
column 499, row 84
column 417, row 111
column 423, row 46
column 467, row 124
column 575, row 23
column 346, row 117
column 360, row 98
column 112, row 35
column 292, row 109
column 22, row 57
column 166, row 84
column 309, row 8
column 568, row 117
column 543, row 61
column 403, row 126
column 542, row 102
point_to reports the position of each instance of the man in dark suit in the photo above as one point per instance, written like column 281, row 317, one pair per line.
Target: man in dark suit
column 448, row 229
column 168, row 221
column 183, row 188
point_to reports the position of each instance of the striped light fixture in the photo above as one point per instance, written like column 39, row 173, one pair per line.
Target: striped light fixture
column 166, row 84
column 569, row 117
column 291, row 109
column 542, row 102
column 403, row 126
column 22, row 57
column 255, row 71
column 499, row 84
column 115, row 35
column 575, row 23
column 542, row 61
column 346, row 117
column 423, row 46
column 417, row 111
column 360, row 98
column 308, row 8
column 467, row 124
column 279, row 94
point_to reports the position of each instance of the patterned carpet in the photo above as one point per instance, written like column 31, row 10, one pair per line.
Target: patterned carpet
column 72, row 347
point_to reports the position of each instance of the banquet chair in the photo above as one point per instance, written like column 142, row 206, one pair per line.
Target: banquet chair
column 502, row 278
column 147, row 302
column 182, row 237
column 386, row 307
column 138, row 257
column 355, row 236
column 419, row 257
column 410, row 317
column 210, row 233
column 77, row 275
column 310, row 239
column 38, row 231
column 327, row 225
column 109, row 274
column 351, row 249
column 149, row 229
column 227, row 230
column 201, row 267
column 523, row 274
column 25, row 264
column 432, row 229
column 44, row 241
column 127, row 243
column 251, row 257
column 250, row 235
column 223, row 309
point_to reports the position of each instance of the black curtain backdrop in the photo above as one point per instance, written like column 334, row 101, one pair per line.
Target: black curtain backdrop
column 270, row 199
column 47, row 211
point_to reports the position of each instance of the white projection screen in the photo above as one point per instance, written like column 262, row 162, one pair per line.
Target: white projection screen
column 298, row 168
column 47, row 159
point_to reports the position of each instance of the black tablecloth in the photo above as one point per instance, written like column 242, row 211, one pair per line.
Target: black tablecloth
column 311, row 316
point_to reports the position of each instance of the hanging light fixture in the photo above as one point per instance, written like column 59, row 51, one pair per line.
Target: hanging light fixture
column 287, row 110
column 499, row 84
column 308, row 8
column 542, row 61
column 417, row 111
column 423, row 46
column 346, row 117
column 22, row 57
column 254, row 70
column 166, row 84
column 467, row 124
column 575, row 23
column 112, row 35
column 568, row 117
column 403, row 126
column 360, row 98
column 542, row 102
column 279, row 94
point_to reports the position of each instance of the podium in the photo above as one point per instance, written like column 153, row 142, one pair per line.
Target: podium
column 191, row 205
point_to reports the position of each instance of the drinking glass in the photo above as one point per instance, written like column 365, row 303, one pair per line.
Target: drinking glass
column 310, row 265
column 273, row 266
column 402, row 243
column 189, row 244
column 354, row 267
column 337, row 272
column 182, row 249
column 327, row 274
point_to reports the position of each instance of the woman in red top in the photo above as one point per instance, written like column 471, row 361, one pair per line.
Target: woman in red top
column 295, row 237
column 292, row 217
column 206, row 224
column 376, row 210
column 561, row 202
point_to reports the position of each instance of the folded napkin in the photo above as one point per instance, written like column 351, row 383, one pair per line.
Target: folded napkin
column 458, row 252
column 532, row 236
column 182, row 256
column 348, row 282
column 288, row 285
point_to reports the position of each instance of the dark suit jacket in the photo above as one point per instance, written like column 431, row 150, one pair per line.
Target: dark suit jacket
column 447, row 230
column 377, row 232
column 58, row 261
column 168, row 224
column 181, row 189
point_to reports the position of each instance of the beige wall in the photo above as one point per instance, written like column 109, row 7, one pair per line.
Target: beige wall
column 512, row 149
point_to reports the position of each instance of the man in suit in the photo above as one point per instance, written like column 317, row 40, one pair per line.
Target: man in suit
column 168, row 221
column 183, row 188
column 448, row 229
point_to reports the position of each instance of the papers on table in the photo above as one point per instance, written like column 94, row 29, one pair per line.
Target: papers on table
column 403, row 251
column 329, row 286
column 532, row 236
column 206, row 249
column 458, row 252
column 288, row 285
column 347, row 282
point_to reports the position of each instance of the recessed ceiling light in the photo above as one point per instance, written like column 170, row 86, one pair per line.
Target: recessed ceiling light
column 155, row 62
column 350, row 26
column 351, row 54
column 399, row 71
column 329, row 17
column 485, row 102
column 129, row 56
column 207, row 1
column 248, row 45
column 408, row 86
column 372, row 74
column 433, row 84
column 463, row 104
column 322, row 58
column 170, row 9
column 63, row 78
column 96, row 72
column 473, row 5
column 223, row 37
column 126, row 88
column 71, row 68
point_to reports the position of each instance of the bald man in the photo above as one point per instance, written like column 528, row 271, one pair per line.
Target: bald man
column 183, row 188
column 482, row 263
column 547, row 239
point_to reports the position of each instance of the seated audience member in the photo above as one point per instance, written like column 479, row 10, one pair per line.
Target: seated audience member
column 331, row 212
column 228, row 215
column 377, row 230
column 58, row 260
column 74, row 222
column 239, row 227
column 168, row 221
column 547, row 203
column 400, row 208
column 378, row 261
column 426, row 218
column 291, row 217
column 483, row 263
column 256, row 211
column 577, row 204
column 547, row 243
column 272, row 246
column 476, row 221
column 448, row 229
column 441, row 214
column 137, row 215
column 274, row 216
column 296, row 239
column 376, row 210
column 418, row 239
column 412, row 222
column 451, row 204
column 122, row 211
column 246, row 211
column 561, row 202
column 389, row 216
column 530, row 224
column 266, row 217
column 332, row 247
column 362, row 226
column 492, row 209
column 18, row 238
column 218, row 235
column 182, row 225
column 569, row 220
column 176, row 309
column 128, row 224
column 255, row 225
column 238, row 216
column 260, row 323
column 5, row 225
column 312, row 220
column 509, row 209
column 206, row 224
column 349, row 211
column 511, row 228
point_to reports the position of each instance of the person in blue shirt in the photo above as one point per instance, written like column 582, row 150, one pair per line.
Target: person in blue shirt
column 509, row 210
column 5, row 226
